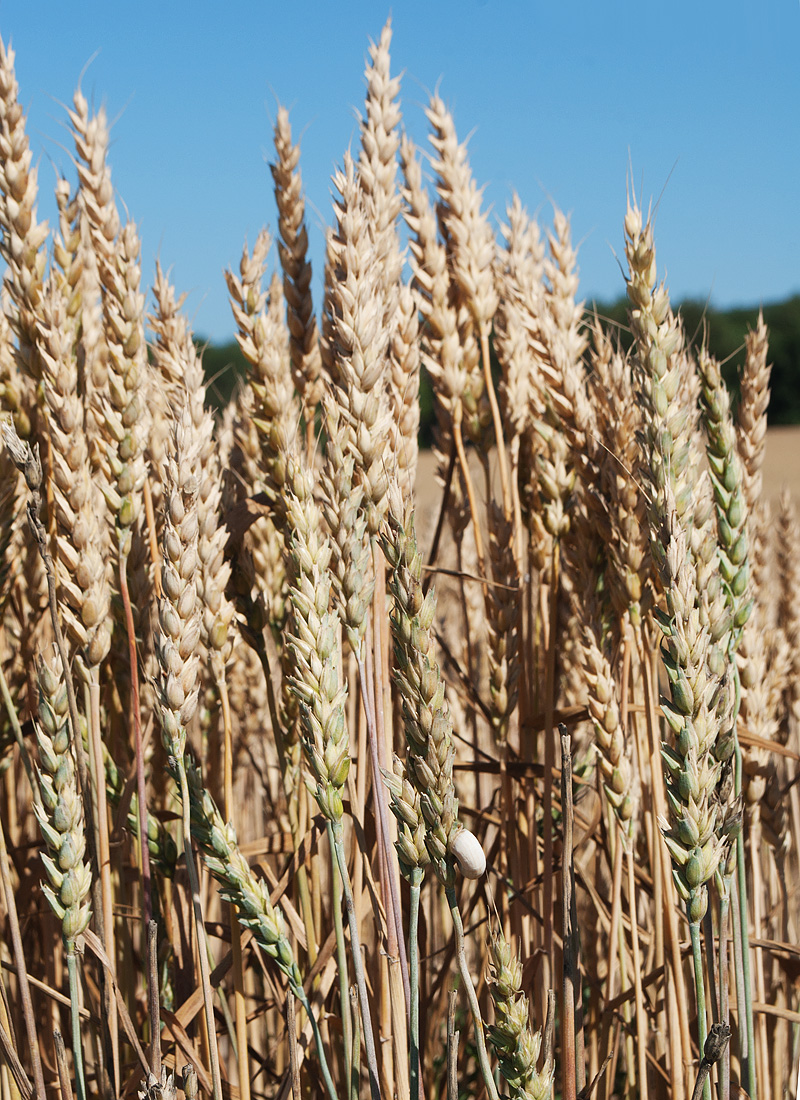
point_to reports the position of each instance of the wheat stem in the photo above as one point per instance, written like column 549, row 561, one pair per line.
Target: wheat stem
column 194, row 885
column 700, row 993
column 748, row 1055
column 141, row 788
column 22, row 971
column 413, row 977
column 358, row 964
column 341, row 958
column 75, row 1014
column 474, row 1007
column 240, row 1009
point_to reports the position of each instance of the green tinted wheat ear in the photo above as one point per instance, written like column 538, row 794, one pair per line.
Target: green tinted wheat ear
column 60, row 812
column 221, row 854
column 426, row 717
column 313, row 643
column 429, row 737
column 516, row 1046
column 179, row 613
column 250, row 895
column 658, row 340
column 352, row 561
column 692, row 714
column 60, row 816
column 412, row 853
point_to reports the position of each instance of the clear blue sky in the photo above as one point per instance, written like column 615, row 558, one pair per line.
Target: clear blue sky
column 703, row 98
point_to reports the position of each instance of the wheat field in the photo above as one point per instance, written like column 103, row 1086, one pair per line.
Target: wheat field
column 333, row 768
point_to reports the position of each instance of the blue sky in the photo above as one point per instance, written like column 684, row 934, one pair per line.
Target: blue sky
column 702, row 99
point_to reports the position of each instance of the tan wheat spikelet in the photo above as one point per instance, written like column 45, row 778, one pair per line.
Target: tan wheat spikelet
column 470, row 239
column 752, row 410
column 441, row 351
column 404, row 376
column 82, row 543
column 293, row 252
column 377, row 169
column 360, row 342
column 179, row 613
column 276, row 413
column 22, row 236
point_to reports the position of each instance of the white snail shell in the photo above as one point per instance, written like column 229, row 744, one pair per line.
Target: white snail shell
column 468, row 854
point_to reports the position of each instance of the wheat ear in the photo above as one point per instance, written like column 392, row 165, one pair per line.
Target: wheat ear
column 60, row 816
column 22, row 236
column 177, row 640
column 516, row 1045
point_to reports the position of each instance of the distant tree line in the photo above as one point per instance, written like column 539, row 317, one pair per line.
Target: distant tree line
column 722, row 329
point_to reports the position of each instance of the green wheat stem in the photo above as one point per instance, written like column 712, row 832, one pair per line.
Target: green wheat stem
column 302, row 997
column 355, row 1056
column 477, row 1019
column 413, row 977
column 358, row 965
column 341, row 959
column 194, row 885
column 75, row 1014
column 700, row 993
column 724, row 994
